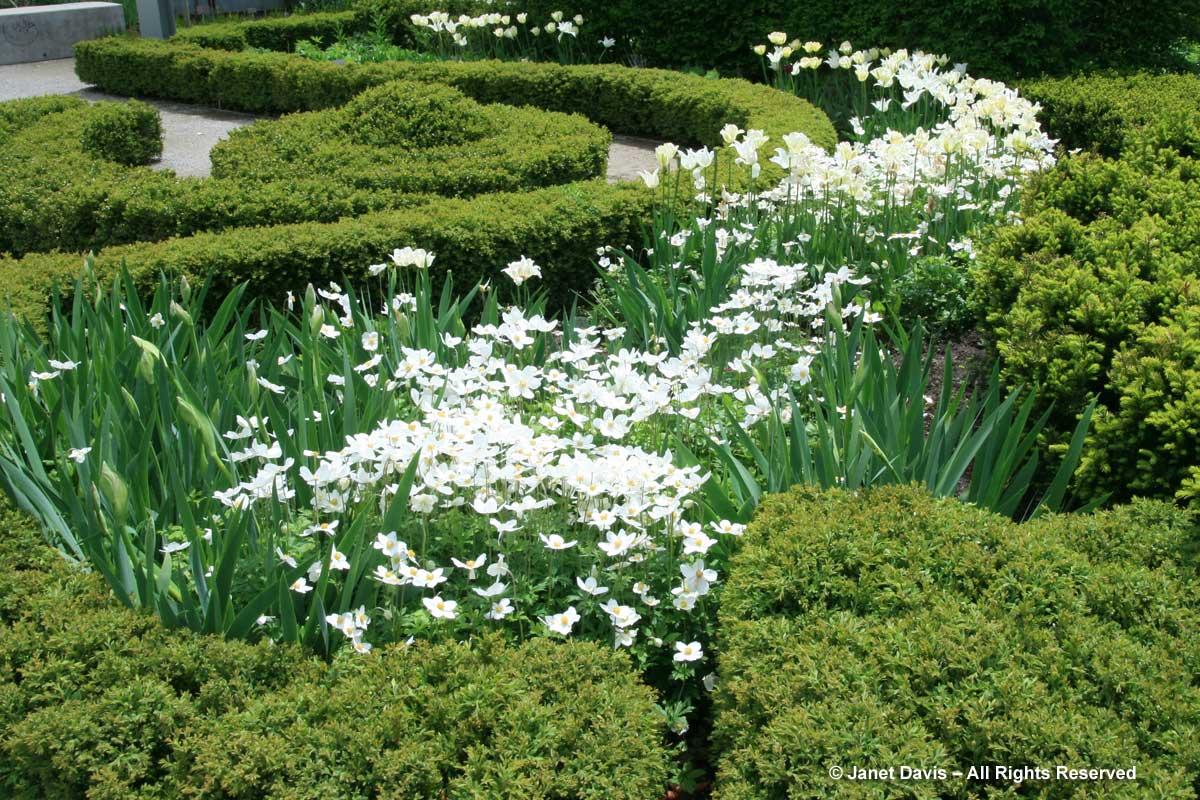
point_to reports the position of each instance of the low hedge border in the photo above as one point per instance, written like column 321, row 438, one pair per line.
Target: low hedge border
column 560, row 227
column 686, row 109
column 886, row 628
column 359, row 144
column 1103, row 112
column 58, row 196
column 102, row 702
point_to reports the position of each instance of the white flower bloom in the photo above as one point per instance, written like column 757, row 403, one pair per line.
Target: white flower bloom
column 589, row 586
column 562, row 623
column 439, row 608
column 556, row 542
column 78, row 454
column 688, row 651
column 500, row 609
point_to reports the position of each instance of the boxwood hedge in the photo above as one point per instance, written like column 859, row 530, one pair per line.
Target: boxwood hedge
column 560, row 226
column 66, row 186
column 128, row 133
column 686, row 109
column 1096, row 293
column 413, row 137
column 886, row 628
column 1105, row 112
column 101, row 702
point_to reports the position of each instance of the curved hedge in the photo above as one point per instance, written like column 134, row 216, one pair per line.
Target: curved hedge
column 561, row 226
column 57, row 196
column 418, row 138
column 97, row 701
column 686, row 109
column 885, row 628
column 558, row 227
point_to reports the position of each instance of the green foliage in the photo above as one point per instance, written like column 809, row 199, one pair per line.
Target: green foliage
column 473, row 239
column 272, row 33
column 935, row 291
column 102, row 702
column 868, row 420
column 412, row 115
column 686, row 109
column 420, row 138
column 1101, row 273
column 128, row 133
column 1155, row 377
column 59, row 195
column 885, row 628
column 998, row 38
column 1106, row 112
column 361, row 48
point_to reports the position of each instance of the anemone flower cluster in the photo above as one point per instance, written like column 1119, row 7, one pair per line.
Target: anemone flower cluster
column 545, row 494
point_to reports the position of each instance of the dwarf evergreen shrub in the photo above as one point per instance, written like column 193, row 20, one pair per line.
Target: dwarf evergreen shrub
column 128, row 133
column 1088, row 295
column 1104, row 112
column 98, row 701
column 886, row 628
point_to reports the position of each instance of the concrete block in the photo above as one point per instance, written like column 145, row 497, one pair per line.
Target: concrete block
column 156, row 18
column 42, row 33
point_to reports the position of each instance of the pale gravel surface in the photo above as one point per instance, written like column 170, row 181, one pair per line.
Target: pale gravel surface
column 189, row 132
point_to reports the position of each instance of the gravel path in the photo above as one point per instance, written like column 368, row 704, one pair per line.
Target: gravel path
column 191, row 131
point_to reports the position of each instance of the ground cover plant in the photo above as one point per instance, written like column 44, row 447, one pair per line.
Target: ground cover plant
column 887, row 627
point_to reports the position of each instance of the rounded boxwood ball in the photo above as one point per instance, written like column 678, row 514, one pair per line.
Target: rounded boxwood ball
column 414, row 115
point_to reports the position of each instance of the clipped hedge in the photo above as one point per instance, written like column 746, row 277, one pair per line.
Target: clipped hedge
column 414, row 137
column 1106, row 112
column 59, row 193
column 1095, row 292
column 560, row 227
column 100, row 702
column 686, row 109
column 128, row 133
column 885, row 628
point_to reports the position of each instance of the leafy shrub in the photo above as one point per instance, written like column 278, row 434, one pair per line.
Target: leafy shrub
column 1104, row 251
column 885, row 628
column 936, row 290
column 102, row 702
column 411, row 115
column 1104, row 111
column 16, row 115
column 412, row 137
column 56, row 196
column 1150, row 434
column 687, row 109
column 272, row 33
column 473, row 238
column 128, row 133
